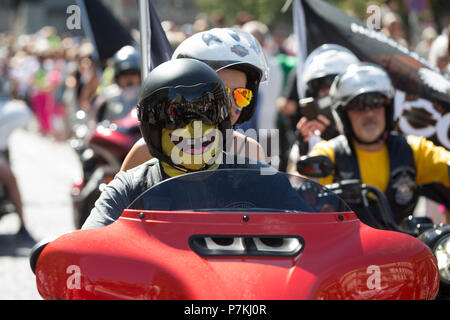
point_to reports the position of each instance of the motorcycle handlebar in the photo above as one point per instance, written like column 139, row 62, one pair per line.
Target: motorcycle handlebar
column 385, row 209
column 362, row 190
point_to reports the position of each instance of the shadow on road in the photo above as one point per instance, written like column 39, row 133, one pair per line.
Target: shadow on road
column 15, row 246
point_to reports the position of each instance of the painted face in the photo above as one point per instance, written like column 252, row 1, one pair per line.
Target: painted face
column 233, row 79
column 193, row 147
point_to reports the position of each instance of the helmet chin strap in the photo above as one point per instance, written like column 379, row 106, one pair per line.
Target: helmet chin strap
column 381, row 137
column 170, row 167
column 177, row 170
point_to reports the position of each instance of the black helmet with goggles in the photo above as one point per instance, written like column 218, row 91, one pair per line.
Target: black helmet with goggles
column 177, row 92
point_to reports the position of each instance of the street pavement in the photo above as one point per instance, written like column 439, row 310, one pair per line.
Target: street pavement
column 45, row 170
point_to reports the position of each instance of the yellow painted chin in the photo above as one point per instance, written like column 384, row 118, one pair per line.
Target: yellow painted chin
column 192, row 147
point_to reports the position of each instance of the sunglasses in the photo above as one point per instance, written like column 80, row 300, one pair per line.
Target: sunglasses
column 242, row 96
column 368, row 101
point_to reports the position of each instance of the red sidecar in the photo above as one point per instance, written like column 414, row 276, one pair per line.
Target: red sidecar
column 236, row 234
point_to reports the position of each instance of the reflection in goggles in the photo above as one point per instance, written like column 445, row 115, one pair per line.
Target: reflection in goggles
column 242, row 96
column 173, row 108
column 368, row 101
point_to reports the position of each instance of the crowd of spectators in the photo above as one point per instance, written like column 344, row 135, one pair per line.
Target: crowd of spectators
column 56, row 75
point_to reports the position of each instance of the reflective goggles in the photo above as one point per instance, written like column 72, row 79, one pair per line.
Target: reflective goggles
column 173, row 108
column 242, row 96
column 368, row 101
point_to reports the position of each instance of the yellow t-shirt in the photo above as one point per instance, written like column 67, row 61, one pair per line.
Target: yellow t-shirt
column 432, row 163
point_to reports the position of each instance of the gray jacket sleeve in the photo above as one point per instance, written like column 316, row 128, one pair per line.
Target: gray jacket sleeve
column 121, row 192
column 113, row 200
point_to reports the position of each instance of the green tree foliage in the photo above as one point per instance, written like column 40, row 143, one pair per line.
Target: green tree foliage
column 267, row 11
column 356, row 8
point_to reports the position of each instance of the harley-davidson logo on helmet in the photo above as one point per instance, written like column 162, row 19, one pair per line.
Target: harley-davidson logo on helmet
column 239, row 50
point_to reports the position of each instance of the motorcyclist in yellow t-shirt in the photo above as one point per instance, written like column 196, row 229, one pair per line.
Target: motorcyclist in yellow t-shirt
column 368, row 150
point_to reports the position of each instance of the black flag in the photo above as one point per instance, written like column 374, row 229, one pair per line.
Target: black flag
column 104, row 31
column 422, row 99
column 159, row 47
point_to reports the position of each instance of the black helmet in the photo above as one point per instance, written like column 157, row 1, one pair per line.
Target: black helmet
column 175, row 93
column 128, row 60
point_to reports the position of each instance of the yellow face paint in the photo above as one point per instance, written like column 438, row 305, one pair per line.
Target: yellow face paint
column 192, row 147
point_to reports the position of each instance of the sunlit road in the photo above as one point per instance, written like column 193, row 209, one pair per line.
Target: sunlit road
column 45, row 170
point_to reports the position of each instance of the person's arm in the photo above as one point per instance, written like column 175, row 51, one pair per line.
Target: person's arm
column 247, row 147
column 316, row 127
column 325, row 149
column 88, row 90
column 432, row 162
column 115, row 198
column 136, row 156
column 8, row 179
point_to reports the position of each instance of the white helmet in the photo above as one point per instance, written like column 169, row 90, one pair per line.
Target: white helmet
column 326, row 60
column 232, row 48
column 361, row 78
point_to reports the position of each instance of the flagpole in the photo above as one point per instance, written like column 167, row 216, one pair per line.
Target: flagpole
column 300, row 32
column 88, row 31
column 144, row 25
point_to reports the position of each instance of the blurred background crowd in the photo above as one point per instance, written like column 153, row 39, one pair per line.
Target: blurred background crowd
column 55, row 73
column 51, row 77
column 53, row 70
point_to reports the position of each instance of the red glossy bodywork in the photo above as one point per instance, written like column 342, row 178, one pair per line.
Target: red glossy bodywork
column 150, row 258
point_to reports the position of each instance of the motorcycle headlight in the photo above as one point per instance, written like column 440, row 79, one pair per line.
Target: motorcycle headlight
column 442, row 253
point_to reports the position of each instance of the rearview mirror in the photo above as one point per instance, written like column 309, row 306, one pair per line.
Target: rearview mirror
column 315, row 167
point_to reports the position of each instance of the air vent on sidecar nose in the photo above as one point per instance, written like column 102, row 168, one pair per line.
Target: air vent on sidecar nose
column 246, row 245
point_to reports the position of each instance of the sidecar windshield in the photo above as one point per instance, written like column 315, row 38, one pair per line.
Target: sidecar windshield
column 243, row 190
